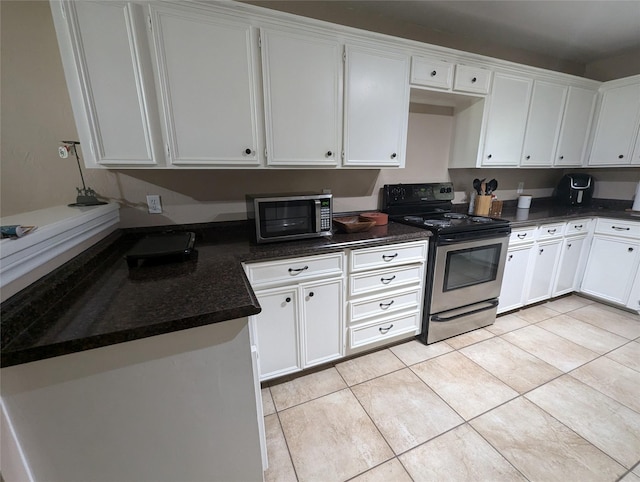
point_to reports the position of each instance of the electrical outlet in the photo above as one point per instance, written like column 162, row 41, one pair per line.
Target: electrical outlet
column 520, row 187
column 153, row 202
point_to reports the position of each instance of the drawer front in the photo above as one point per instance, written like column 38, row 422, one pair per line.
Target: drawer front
column 431, row 72
column 389, row 255
column 579, row 226
column 382, row 279
column 374, row 332
column 522, row 235
column 615, row 227
column 550, row 231
column 381, row 305
column 294, row 269
column 472, row 79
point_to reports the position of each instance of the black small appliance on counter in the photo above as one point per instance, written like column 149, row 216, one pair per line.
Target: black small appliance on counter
column 574, row 190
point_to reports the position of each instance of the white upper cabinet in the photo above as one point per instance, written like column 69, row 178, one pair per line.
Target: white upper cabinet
column 431, row 73
column 617, row 125
column 303, row 98
column 543, row 124
column 472, row 79
column 110, row 81
column 207, row 75
column 635, row 159
column 507, row 120
column 376, row 107
column 576, row 124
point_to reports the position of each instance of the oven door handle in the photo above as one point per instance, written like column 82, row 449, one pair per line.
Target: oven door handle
column 444, row 240
column 439, row 319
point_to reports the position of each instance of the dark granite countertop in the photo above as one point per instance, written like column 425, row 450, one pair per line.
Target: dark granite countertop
column 94, row 300
column 545, row 211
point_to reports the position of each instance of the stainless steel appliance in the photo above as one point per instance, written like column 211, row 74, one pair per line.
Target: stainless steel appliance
column 282, row 217
column 466, row 258
column 575, row 190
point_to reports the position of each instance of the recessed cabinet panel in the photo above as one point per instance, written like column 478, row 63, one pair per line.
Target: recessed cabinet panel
column 508, row 107
column 543, row 124
column 545, row 261
column 376, row 108
column 472, row 79
column 123, row 127
column 617, row 126
column 514, row 279
column 303, row 105
column 576, row 124
column 207, row 76
column 431, row 73
column 570, row 258
column 323, row 308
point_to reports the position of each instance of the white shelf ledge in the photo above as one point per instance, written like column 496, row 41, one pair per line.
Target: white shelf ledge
column 60, row 229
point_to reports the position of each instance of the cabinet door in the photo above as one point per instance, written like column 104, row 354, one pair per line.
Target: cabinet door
column 276, row 329
column 376, row 108
column 543, row 124
column 206, row 69
column 576, row 124
column 323, row 322
column 507, row 119
column 635, row 159
column 110, row 80
column 634, row 296
column 617, row 126
column 571, row 255
column 302, row 89
column 544, row 262
column 514, row 280
column 611, row 268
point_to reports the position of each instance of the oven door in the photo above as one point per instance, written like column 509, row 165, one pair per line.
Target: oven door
column 468, row 271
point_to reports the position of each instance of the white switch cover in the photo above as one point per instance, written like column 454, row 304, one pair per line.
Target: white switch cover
column 153, row 202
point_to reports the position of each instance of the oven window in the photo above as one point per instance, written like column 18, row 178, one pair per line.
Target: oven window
column 286, row 218
column 472, row 266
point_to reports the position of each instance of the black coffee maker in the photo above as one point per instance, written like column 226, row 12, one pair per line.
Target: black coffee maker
column 574, row 190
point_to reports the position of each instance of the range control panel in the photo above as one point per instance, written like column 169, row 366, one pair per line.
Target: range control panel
column 417, row 193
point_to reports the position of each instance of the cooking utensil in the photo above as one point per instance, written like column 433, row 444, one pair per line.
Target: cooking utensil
column 492, row 186
column 483, row 187
column 476, row 186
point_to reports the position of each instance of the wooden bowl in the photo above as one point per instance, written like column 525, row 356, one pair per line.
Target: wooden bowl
column 353, row 224
column 380, row 218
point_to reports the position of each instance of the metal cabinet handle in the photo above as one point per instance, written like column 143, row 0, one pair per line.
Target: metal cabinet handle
column 433, row 73
column 541, row 251
column 384, row 306
column 577, row 226
column 551, row 231
column 561, row 157
column 329, row 153
column 311, row 294
column 522, row 236
column 619, row 228
column 248, row 151
column 489, row 156
column 568, row 245
column 474, row 80
column 621, row 156
column 630, row 250
column 297, row 270
column 389, row 257
column 394, row 155
column 384, row 331
column 386, row 281
column 287, row 299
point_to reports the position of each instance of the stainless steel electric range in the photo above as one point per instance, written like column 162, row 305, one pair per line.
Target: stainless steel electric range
column 466, row 258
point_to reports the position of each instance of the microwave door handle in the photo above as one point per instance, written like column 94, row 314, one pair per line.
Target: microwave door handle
column 318, row 218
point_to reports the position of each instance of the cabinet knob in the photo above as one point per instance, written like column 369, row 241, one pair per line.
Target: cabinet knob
column 561, row 157
column 541, row 251
column 393, row 155
column 510, row 257
column 329, row 153
column 311, row 294
column 474, row 80
column 569, row 245
column 248, row 151
column 528, row 157
column 433, row 73
column 287, row 299
column 621, row 156
column 630, row 250
column 489, row 156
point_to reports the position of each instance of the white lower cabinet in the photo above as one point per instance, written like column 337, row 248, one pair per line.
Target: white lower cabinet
column 544, row 263
column 612, row 265
column 386, row 289
column 514, row 279
column 634, row 297
column 572, row 255
column 302, row 319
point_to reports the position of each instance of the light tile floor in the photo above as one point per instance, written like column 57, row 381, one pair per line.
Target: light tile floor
column 551, row 392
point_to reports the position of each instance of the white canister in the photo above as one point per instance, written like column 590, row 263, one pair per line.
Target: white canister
column 524, row 201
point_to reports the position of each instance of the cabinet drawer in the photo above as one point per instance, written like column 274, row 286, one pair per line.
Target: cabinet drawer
column 389, row 255
column 294, row 269
column 373, row 332
column 385, row 279
column 579, row 226
column 627, row 229
column 431, row 72
column 381, row 305
column 522, row 235
column 550, row 231
column 472, row 79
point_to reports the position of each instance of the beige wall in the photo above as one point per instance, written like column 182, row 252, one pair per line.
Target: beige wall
column 36, row 115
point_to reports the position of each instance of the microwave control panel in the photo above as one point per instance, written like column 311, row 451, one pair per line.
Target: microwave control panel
column 325, row 215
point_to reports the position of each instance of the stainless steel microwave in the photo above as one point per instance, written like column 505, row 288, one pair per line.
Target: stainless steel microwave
column 283, row 217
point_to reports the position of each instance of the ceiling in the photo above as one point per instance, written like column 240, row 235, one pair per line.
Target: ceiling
column 573, row 30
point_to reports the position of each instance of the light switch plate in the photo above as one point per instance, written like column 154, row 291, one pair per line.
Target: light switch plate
column 153, row 202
